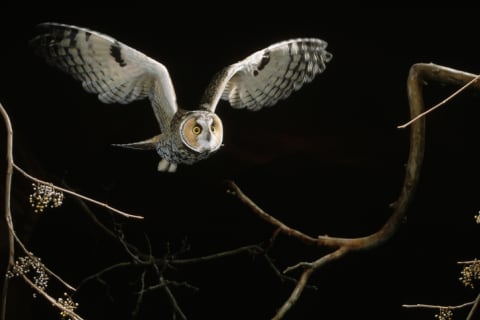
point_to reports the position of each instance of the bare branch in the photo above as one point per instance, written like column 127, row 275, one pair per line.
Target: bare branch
column 141, row 292
column 173, row 301
column 233, row 189
column 105, row 270
column 302, row 282
column 282, row 275
column 248, row 249
column 102, row 226
column 8, row 214
column 431, row 306
column 468, row 262
column 169, row 283
column 75, row 194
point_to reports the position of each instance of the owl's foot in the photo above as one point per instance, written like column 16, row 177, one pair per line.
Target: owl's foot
column 165, row 166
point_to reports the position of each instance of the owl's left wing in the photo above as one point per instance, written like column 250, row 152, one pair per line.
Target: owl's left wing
column 268, row 75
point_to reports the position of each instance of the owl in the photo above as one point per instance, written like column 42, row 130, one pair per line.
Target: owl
column 120, row 74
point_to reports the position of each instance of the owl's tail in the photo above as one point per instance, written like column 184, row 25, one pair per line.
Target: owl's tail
column 149, row 144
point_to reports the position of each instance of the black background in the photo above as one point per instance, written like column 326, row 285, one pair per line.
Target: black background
column 328, row 160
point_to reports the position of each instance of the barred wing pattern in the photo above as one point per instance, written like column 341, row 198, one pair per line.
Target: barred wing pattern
column 268, row 75
column 107, row 67
column 118, row 73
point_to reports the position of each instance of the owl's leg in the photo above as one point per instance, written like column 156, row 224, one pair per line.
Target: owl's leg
column 165, row 166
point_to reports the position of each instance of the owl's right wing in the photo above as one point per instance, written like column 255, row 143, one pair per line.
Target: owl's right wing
column 268, row 75
column 114, row 71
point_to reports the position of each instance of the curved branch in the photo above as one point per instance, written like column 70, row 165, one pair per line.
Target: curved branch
column 418, row 74
column 344, row 245
column 417, row 142
column 412, row 172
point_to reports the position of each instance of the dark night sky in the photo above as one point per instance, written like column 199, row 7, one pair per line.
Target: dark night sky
column 328, row 160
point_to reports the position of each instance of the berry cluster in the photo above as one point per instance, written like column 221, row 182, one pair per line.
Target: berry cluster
column 471, row 273
column 69, row 304
column 45, row 196
column 444, row 314
column 23, row 266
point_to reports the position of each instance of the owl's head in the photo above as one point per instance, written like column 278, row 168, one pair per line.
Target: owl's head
column 201, row 131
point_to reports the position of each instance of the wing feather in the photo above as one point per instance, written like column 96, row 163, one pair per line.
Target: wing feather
column 114, row 71
column 268, row 75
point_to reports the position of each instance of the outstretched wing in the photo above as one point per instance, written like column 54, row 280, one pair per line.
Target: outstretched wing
column 114, row 71
column 268, row 75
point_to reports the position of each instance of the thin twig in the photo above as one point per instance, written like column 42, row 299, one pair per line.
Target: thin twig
column 450, row 97
column 105, row 270
column 281, row 275
column 128, row 249
column 56, row 276
column 431, row 306
column 173, row 301
column 169, row 283
column 140, row 294
column 109, row 232
column 300, row 265
column 90, row 213
column 249, row 249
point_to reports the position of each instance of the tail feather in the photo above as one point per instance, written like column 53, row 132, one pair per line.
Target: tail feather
column 149, row 144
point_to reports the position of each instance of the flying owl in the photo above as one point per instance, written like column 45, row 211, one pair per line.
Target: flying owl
column 118, row 73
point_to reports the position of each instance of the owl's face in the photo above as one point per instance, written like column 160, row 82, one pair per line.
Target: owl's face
column 202, row 131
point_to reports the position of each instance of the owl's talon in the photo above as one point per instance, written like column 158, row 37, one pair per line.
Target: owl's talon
column 172, row 167
column 165, row 166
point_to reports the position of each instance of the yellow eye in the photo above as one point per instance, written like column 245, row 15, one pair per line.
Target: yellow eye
column 196, row 130
column 212, row 128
